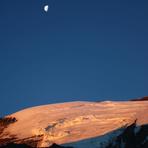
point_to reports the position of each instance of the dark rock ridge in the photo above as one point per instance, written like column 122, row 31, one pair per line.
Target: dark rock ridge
column 140, row 99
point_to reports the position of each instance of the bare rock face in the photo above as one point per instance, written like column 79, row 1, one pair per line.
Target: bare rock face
column 132, row 137
column 73, row 124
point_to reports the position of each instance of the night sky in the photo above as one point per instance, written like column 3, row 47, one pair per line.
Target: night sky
column 78, row 50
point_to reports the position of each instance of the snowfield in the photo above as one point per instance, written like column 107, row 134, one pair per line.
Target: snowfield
column 71, row 122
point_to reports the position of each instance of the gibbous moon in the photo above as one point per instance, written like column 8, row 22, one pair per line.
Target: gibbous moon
column 46, row 8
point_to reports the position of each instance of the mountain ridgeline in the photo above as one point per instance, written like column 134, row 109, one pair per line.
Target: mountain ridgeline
column 81, row 124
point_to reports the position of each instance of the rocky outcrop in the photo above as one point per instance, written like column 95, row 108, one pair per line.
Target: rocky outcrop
column 132, row 137
column 140, row 99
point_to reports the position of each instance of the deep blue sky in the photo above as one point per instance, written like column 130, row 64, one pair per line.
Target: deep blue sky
column 79, row 50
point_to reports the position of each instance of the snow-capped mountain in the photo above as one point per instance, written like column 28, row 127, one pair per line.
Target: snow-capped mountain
column 78, row 125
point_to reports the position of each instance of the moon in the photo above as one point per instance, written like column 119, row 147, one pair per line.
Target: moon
column 46, row 8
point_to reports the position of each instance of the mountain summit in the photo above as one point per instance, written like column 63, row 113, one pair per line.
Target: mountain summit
column 74, row 124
